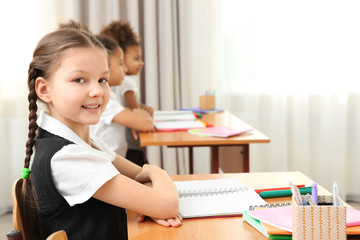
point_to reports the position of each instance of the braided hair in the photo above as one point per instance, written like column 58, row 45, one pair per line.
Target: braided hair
column 46, row 60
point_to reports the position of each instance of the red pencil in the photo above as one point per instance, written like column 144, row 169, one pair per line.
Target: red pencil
column 274, row 189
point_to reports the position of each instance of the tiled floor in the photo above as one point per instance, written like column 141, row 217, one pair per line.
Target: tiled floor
column 6, row 221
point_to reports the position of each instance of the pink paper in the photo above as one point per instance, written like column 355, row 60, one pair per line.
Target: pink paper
column 223, row 131
column 281, row 217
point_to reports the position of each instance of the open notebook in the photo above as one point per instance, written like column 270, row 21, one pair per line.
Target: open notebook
column 210, row 198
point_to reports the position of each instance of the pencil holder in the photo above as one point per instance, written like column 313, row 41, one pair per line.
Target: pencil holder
column 320, row 221
column 206, row 102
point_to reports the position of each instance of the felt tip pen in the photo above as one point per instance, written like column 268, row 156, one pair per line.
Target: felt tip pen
column 197, row 115
column 335, row 195
column 206, row 124
column 279, row 188
column 311, row 200
column 284, row 193
column 314, row 193
column 295, row 194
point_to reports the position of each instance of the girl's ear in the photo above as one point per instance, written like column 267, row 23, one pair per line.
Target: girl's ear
column 42, row 89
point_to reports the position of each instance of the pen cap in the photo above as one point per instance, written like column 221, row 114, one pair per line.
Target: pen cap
column 206, row 102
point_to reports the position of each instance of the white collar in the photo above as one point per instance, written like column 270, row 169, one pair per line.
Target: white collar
column 54, row 126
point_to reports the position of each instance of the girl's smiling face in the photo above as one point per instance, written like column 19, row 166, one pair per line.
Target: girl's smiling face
column 78, row 91
column 133, row 61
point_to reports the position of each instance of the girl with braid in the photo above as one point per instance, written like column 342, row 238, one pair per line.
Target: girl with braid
column 128, row 91
column 111, row 127
column 74, row 181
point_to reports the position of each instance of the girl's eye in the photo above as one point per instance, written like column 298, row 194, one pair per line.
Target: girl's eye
column 103, row 80
column 79, row 80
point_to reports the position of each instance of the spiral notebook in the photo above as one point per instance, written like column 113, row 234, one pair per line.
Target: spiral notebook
column 215, row 198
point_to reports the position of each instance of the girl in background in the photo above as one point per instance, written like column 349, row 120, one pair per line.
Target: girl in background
column 111, row 128
column 128, row 91
column 76, row 183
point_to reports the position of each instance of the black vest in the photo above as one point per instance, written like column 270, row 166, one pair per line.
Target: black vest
column 92, row 219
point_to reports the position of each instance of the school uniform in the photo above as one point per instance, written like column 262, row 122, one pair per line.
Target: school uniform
column 135, row 152
column 113, row 134
column 66, row 172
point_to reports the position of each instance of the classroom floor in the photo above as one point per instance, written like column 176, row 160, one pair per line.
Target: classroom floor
column 5, row 225
column 6, row 221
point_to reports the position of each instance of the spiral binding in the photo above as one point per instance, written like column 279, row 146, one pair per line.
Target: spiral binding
column 211, row 192
column 272, row 205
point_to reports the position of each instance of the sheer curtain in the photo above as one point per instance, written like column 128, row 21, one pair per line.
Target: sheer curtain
column 178, row 42
column 18, row 40
column 291, row 69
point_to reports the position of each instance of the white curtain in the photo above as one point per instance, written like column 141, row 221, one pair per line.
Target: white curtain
column 17, row 40
column 174, row 70
column 178, row 42
column 291, row 70
column 22, row 23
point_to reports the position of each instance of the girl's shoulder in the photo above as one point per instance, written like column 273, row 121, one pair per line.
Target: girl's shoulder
column 129, row 81
column 129, row 84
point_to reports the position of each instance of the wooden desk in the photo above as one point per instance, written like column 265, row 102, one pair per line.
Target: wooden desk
column 218, row 228
column 185, row 139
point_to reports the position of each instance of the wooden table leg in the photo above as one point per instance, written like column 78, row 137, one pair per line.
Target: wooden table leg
column 246, row 165
column 191, row 164
column 214, row 159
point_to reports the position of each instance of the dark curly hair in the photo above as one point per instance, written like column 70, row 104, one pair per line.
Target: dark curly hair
column 122, row 32
column 109, row 43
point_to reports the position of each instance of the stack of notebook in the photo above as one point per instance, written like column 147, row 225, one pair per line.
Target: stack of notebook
column 276, row 223
column 176, row 121
column 267, row 230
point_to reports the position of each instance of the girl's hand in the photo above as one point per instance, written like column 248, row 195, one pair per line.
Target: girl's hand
column 144, row 175
column 172, row 222
column 149, row 109
column 134, row 134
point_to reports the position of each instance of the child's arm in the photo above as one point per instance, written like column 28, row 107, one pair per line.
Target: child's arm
column 138, row 120
column 161, row 198
column 131, row 100
column 148, row 109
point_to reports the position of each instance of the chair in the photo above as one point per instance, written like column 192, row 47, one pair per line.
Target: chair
column 59, row 235
column 16, row 190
